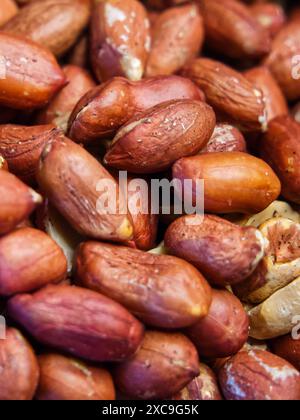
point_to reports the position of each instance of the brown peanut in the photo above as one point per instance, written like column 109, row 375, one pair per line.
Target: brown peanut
column 161, row 290
column 103, row 110
column 64, row 378
column 78, row 321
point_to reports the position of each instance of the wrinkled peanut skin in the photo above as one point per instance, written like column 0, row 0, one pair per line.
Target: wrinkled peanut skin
column 225, row 138
column 29, row 259
column 103, row 110
column 288, row 348
column 72, row 179
column 164, row 364
column 152, row 141
column 229, row 92
column 22, row 147
column 53, row 24
column 120, row 39
column 203, row 388
column 223, row 252
column 18, row 201
column 234, row 182
column 64, row 378
column 177, row 37
column 259, row 375
column 60, row 108
column 78, row 321
column 276, row 104
column 232, row 30
column 224, row 331
column 8, row 9
column 31, row 82
column 285, row 47
column 162, row 290
column 19, row 368
column 145, row 225
column 280, row 147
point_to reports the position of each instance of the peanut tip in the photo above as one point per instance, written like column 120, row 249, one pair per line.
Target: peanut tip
column 125, row 231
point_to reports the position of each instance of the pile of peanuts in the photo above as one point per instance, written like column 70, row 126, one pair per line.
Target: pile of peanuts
column 105, row 305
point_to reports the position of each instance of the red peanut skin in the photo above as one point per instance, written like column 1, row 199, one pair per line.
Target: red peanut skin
column 280, row 147
column 117, row 43
column 225, row 138
column 78, row 321
column 152, row 141
column 69, row 176
column 232, row 96
column 161, row 290
column 276, row 104
column 22, row 147
column 177, row 37
column 60, row 108
column 103, row 110
column 223, row 252
column 19, row 368
column 259, row 375
column 18, row 201
column 66, row 379
column 285, row 46
column 271, row 16
column 224, row 331
column 288, row 348
column 31, row 83
column 53, row 24
column 230, row 29
column 164, row 364
column 234, row 182
column 203, row 388
column 29, row 259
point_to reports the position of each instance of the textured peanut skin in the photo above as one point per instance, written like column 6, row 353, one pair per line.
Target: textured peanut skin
column 285, row 46
column 18, row 201
column 120, row 39
column 271, row 16
column 162, row 290
column 31, row 82
column 232, row 30
column 102, row 111
column 53, row 24
column 8, row 9
column 222, row 251
column 234, row 182
column 78, row 321
column 203, row 388
column 152, row 141
column 19, row 368
column 259, row 375
column 177, row 37
column 22, row 147
column 70, row 177
column 229, row 93
column 225, row 138
column 287, row 348
column 145, row 224
column 64, row 378
column 276, row 104
column 281, row 149
column 164, row 364
column 60, row 108
column 224, row 331
column 29, row 259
